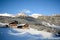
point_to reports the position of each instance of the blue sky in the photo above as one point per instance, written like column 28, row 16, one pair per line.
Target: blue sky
column 45, row 7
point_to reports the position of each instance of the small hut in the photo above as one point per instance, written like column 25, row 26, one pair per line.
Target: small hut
column 13, row 24
column 23, row 26
column 26, row 26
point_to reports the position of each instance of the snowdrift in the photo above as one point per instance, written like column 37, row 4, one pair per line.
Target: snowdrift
column 24, row 34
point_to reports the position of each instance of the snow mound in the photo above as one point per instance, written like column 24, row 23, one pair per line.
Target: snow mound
column 24, row 34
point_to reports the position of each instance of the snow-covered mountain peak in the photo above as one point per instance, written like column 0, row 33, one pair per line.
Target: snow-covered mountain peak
column 36, row 15
column 21, row 14
column 56, row 15
column 6, row 14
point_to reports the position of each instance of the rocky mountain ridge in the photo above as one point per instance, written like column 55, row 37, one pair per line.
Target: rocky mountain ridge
column 41, row 23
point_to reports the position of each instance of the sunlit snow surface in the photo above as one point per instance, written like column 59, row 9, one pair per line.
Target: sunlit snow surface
column 24, row 34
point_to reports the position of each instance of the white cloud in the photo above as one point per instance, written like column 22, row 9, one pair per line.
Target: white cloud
column 36, row 15
column 26, row 11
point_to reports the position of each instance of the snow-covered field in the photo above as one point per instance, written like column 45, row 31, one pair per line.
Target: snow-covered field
column 24, row 34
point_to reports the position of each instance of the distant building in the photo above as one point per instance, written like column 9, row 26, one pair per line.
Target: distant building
column 23, row 26
column 13, row 24
column 16, row 25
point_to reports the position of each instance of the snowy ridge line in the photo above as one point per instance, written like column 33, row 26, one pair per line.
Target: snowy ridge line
column 6, row 14
column 34, row 15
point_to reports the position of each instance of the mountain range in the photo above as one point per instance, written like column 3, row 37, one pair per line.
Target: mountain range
column 39, row 22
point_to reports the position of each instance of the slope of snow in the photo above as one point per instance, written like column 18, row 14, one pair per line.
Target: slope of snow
column 24, row 34
column 32, row 32
column 36, row 15
column 50, row 25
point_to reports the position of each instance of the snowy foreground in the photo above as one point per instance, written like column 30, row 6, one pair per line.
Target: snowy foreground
column 25, row 34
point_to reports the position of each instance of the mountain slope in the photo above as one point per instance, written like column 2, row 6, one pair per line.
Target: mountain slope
column 35, row 22
column 51, row 19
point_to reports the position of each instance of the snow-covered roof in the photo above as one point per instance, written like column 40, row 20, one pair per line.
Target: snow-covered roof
column 21, row 24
